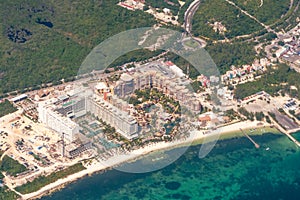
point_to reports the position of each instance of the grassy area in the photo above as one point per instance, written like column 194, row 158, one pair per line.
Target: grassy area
column 211, row 11
column 11, row 166
column 45, row 41
column 191, row 43
column 269, row 12
column 6, row 107
column 6, row 194
column 42, row 181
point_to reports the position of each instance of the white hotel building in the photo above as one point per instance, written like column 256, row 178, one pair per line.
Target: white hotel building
column 56, row 121
column 117, row 118
column 57, row 117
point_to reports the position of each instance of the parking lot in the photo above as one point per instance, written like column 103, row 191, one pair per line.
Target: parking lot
column 285, row 121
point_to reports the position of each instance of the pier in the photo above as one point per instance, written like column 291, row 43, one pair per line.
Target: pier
column 288, row 133
column 255, row 144
column 293, row 139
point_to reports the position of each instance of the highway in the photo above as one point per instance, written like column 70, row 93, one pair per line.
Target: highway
column 188, row 21
column 189, row 14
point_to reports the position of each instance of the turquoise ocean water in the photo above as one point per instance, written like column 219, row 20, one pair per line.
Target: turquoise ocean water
column 233, row 170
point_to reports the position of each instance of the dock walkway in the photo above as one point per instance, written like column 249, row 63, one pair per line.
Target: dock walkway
column 255, row 144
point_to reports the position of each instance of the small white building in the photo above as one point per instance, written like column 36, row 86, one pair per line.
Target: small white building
column 177, row 71
column 167, row 11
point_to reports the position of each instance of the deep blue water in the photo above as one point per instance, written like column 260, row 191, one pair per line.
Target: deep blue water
column 233, row 170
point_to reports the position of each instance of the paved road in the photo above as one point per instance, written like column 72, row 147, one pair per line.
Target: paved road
column 188, row 20
column 189, row 14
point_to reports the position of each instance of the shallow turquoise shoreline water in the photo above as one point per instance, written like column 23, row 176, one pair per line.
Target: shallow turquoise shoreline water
column 233, row 170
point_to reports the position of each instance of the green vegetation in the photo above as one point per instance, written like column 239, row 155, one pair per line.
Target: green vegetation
column 136, row 56
column 292, row 112
column 191, row 43
column 269, row 12
column 183, row 64
column 290, row 20
column 34, row 52
column 259, row 116
column 231, row 114
column 182, row 11
column 281, row 43
column 42, row 181
column 235, row 22
column 108, row 129
column 226, row 54
column 268, row 119
column 6, row 194
column 6, row 107
column 273, row 116
column 267, row 37
column 277, row 79
column 196, row 85
column 11, row 166
column 248, row 115
column 168, row 104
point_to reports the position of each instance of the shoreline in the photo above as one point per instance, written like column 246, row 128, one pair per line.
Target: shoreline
column 223, row 133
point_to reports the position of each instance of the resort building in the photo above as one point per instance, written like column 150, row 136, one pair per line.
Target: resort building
column 56, row 121
column 107, row 104
column 75, row 148
column 165, row 77
column 117, row 118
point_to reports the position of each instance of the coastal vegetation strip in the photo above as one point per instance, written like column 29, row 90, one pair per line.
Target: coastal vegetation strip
column 11, row 166
column 6, row 107
column 42, row 181
column 7, row 194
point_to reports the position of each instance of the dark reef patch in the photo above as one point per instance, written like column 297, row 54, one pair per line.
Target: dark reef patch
column 173, row 185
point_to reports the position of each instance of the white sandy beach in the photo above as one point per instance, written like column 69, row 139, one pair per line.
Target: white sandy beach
column 118, row 159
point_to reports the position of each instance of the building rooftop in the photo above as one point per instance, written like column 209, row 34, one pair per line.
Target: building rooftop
column 17, row 98
column 126, row 77
column 101, row 86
